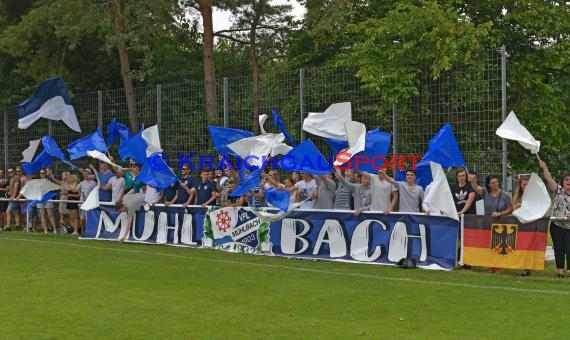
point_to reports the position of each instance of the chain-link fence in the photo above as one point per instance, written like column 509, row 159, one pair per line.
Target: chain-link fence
column 471, row 98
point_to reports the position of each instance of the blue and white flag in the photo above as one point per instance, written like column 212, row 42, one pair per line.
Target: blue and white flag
column 305, row 157
column 93, row 141
column 277, row 121
column 443, row 149
column 51, row 147
column 117, row 130
column 222, row 137
column 278, row 198
column 247, row 184
column 51, row 101
column 156, row 173
column 134, row 148
column 43, row 161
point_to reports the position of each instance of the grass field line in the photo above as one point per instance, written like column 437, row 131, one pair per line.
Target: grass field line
column 303, row 269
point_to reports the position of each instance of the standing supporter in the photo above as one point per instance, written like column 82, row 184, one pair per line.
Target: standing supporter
column 116, row 185
column 307, row 191
column 272, row 182
column 233, row 201
column 411, row 195
column 384, row 194
column 130, row 176
column 46, row 209
column 104, row 176
column 560, row 228
column 220, row 178
column 170, row 194
column 73, row 194
column 479, row 206
column 293, row 195
column 517, row 202
column 23, row 180
column 231, row 174
column 63, row 205
column 3, row 203
column 151, row 195
column 497, row 202
column 343, row 195
column 326, row 188
column 205, row 190
column 85, row 187
column 296, row 176
column 254, row 197
column 186, row 187
column 362, row 191
column 463, row 194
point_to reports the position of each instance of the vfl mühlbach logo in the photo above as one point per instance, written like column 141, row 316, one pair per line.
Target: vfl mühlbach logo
column 503, row 238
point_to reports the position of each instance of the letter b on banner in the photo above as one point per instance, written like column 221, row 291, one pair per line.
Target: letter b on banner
column 289, row 236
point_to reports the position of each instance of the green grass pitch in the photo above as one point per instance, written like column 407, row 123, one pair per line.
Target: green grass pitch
column 59, row 287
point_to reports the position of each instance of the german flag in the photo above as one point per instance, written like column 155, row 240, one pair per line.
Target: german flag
column 504, row 242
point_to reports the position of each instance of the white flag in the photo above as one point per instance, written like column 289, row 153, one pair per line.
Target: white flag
column 262, row 119
column 102, row 157
column 150, row 136
column 255, row 149
column 329, row 124
column 92, row 200
column 535, row 201
column 35, row 189
column 356, row 135
column 30, row 151
column 512, row 129
column 438, row 197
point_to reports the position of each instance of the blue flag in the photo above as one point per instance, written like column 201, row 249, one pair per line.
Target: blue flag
column 46, row 197
column 336, row 145
column 443, row 149
column 117, row 130
column 305, row 157
column 51, row 147
column 249, row 183
column 43, row 160
column 277, row 121
column 51, row 101
column 224, row 136
column 376, row 146
column 423, row 174
column 278, row 198
column 93, row 141
column 134, row 148
column 155, row 172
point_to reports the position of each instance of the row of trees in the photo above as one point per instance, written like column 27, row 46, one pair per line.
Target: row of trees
column 393, row 45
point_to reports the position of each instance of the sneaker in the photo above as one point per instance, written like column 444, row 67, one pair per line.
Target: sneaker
column 526, row 273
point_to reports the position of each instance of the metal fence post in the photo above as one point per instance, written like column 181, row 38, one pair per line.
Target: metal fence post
column 394, row 132
column 158, row 106
column 226, row 102
column 302, row 100
column 100, row 109
column 504, row 110
column 5, row 141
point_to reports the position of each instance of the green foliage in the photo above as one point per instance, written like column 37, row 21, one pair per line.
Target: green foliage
column 396, row 50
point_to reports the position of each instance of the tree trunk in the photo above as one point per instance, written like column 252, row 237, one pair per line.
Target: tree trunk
column 208, row 60
column 125, row 67
column 259, row 11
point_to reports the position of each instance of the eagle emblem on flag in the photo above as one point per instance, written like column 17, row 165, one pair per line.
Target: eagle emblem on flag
column 503, row 238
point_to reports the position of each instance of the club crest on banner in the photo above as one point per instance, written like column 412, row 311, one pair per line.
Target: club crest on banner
column 503, row 238
column 236, row 229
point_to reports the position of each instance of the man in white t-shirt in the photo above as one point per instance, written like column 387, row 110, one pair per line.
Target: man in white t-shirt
column 307, row 189
column 117, row 186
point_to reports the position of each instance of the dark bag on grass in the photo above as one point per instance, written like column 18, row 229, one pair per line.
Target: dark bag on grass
column 409, row 263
